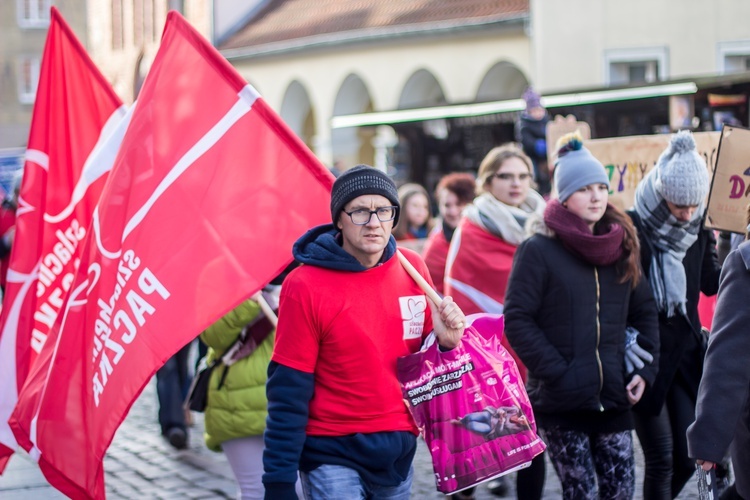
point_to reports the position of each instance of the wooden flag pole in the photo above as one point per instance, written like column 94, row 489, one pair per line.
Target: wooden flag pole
column 426, row 288
column 266, row 308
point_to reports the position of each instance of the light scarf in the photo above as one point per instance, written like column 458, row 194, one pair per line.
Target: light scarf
column 503, row 220
column 669, row 240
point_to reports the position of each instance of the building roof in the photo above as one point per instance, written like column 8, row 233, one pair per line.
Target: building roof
column 290, row 21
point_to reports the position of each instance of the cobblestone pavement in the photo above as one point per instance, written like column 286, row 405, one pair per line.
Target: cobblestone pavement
column 140, row 464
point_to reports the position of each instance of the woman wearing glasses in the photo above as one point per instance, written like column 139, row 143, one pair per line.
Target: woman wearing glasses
column 481, row 254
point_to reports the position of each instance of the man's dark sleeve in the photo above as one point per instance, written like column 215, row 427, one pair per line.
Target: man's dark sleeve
column 710, row 267
column 726, row 375
column 289, row 392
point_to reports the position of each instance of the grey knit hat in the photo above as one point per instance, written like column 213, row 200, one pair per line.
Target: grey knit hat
column 683, row 176
column 576, row 167
column 358, row 181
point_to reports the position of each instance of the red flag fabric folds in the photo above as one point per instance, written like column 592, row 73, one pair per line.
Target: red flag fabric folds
column 477, row 272
column 69, row 155
column 208, row 193
column 435, row 253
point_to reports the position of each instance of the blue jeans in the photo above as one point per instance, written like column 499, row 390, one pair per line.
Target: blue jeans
column 336, row 482
column 172, row 382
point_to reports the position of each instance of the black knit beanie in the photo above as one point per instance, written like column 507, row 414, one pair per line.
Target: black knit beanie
column 358, row 181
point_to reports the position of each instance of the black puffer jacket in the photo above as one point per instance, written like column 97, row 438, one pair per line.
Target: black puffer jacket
column 566, row 320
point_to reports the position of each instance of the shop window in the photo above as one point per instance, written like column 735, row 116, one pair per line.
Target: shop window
column 633, row 72
column 737, row 64
column 634, row 66
column 28, row 79
column 33, row 13
column 734, row 57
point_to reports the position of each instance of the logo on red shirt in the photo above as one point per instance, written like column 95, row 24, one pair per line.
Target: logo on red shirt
column 412, row 313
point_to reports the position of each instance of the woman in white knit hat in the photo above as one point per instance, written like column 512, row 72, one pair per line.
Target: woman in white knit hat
column 679, row 258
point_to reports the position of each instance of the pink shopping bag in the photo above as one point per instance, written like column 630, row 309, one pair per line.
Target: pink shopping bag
column 471, row 407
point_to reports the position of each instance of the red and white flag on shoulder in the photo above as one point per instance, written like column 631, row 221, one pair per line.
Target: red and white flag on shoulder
column 207, row 195
column 72, row 145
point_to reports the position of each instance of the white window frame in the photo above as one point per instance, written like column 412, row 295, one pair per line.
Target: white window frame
column 730, row 49
column 39, row 15
column 638, row 55
column 28, row 96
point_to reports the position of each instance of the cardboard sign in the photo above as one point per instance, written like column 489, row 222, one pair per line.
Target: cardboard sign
column 628, row 159
column 730, row 186
column 559, row 127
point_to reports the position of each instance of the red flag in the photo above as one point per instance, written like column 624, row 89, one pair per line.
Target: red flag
column 477, row 272
column 65, row 171
column 208, row 193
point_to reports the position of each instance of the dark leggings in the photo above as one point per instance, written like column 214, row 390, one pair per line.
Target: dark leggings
column 530, row 481
column 664, row 442
column 582, row 460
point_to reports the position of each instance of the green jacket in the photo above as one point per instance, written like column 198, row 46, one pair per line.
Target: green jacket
column 239, row 408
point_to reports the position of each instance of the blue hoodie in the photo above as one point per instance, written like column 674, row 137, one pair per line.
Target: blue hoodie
column 381, row 458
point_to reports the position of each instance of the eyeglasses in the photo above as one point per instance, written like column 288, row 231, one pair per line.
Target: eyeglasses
column 510, row 177
column 362, row 216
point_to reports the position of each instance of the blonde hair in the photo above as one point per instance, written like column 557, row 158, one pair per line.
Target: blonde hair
column 495, row 159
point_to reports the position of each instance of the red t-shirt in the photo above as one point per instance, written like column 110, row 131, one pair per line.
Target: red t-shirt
column 348, row 329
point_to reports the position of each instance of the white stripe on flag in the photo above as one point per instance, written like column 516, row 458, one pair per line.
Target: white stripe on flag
column 240, row 109
column 38, row 157
column 100, row 159
column 8, row 388
column 482, row 300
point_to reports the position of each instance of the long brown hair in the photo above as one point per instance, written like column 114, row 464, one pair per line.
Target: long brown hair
column 406, row 191
column 629, row 266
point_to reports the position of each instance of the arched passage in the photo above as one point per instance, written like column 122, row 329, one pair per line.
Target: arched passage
column 412, row 161
column 421, row 90
column 298, row 113
column 503, row 81
column 353, row 145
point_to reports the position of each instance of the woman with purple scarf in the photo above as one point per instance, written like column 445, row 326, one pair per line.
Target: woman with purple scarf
column 574, row 288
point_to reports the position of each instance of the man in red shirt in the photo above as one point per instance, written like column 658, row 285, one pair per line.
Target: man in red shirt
column 335, row 410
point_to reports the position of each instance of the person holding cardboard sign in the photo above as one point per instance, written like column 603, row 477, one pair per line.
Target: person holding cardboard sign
column 680, row 261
